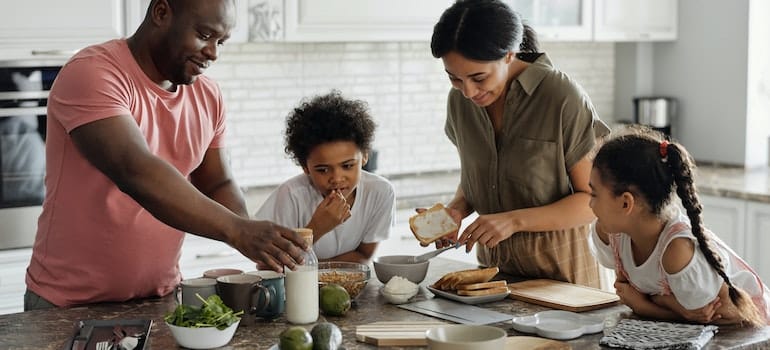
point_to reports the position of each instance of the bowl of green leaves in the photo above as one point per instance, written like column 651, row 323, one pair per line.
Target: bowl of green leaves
column 210, row 326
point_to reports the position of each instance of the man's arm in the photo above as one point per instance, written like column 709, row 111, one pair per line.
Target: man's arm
column 214, row 179
column 117, row 148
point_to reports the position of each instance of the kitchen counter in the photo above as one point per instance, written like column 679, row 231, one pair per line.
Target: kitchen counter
column 50, row 329
column 734, row 182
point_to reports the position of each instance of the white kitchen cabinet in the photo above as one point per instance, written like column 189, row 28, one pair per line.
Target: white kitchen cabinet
column 137, row 9
column 557, row 20
column 726, row 217
column 13, row 268
column 56, row 29
column 635, row 20
column 758, row 238
column 361, row 20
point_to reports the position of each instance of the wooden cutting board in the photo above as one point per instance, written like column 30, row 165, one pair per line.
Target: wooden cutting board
column 396, row 333
column 561, row 295
column 535, row 343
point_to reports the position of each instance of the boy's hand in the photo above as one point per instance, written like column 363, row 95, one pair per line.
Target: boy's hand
column 332, row 211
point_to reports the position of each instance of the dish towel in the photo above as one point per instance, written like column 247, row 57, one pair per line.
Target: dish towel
column 644, row 335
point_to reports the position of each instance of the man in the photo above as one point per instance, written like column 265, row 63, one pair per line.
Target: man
column 130, row 121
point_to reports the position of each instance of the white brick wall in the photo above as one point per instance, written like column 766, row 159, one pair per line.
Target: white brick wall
column 405, row 87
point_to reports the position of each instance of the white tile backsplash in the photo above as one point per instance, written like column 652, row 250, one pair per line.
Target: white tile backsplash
column 405, row 87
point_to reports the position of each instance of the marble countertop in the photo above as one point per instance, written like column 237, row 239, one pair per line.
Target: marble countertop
column 734, row 182
column 51, row 329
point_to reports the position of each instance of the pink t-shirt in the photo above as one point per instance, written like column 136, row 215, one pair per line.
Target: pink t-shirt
column 95, row 243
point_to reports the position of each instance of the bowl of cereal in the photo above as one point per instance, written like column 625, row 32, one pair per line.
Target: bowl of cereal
column 351, row 276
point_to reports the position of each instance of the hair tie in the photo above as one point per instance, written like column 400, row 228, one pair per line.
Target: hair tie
column 664, row 151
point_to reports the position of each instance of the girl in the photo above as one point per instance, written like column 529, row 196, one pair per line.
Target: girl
column 348, row 209
column 523, row 130
column 668, row 265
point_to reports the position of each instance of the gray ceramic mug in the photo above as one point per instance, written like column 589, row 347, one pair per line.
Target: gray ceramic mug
column 275, row 282
column 245, row 293
column 187, row 289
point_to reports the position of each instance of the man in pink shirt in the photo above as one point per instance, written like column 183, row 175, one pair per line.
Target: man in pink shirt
column 135, row 158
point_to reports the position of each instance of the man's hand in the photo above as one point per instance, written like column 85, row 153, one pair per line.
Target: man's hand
column 270, row 245
column 333, row 211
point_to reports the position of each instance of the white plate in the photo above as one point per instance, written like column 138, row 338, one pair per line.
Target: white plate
column 558, row 324
column 469, row 299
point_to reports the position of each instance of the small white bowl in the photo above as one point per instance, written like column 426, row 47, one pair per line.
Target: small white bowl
column 466, row 337
column 204, row 337
column 397, row 298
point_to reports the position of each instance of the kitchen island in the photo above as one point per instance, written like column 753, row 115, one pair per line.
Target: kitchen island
column 51, row 329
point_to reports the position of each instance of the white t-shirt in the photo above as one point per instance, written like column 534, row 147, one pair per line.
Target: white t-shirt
column 696, row 284
column 293, row 203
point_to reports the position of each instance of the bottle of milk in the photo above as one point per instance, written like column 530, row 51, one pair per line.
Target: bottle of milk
column 302, row 285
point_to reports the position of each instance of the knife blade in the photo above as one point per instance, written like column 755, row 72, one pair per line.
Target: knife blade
column 81, row 339
column 429, row 255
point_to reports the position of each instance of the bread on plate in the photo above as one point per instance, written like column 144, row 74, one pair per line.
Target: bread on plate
column 454, row 279
column 432, row 224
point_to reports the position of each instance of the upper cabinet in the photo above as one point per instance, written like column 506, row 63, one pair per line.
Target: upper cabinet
column 635, row 20
column 361, row 20
column 137, row 9
column 56, row 29
column 557, row 20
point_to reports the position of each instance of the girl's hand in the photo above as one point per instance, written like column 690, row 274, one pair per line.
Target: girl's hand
column 630, row 296
column 705, row 314
column 332, row 211
column 488, row 230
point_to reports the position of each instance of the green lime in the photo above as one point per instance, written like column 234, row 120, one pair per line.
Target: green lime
column 334, row 300
column 326, row 336
column 296, row 338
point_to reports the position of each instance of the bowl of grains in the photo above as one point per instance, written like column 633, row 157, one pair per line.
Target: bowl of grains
column 351, row 276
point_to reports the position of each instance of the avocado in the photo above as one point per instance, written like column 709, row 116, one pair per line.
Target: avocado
column 334, row 300
column 296, row 338
column 326, row 336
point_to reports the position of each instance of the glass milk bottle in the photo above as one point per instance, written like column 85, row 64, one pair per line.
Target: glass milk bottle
column 302, row 285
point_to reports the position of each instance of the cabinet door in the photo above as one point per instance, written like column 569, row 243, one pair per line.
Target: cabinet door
column 635, row 20
column 35, row 28
column 726, row 217
column 13, row 269
column 557, row 20
column 362, row 20
column 758, row 238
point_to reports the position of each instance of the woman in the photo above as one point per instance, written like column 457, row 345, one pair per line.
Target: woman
column 523, row 131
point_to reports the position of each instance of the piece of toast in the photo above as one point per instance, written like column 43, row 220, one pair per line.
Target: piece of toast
column 485, row 291
column 432, row 224
column 451, row 280
column 483, row 285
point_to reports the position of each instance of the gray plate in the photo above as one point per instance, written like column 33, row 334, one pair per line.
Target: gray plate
column 469, row 299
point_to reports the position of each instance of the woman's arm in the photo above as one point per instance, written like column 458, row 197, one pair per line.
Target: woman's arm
column 362, row 254
column 570, row 211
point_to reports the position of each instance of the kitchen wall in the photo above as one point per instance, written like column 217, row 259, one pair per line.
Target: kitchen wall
column 404, row 85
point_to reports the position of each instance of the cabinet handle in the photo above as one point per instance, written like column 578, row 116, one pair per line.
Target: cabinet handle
column 219, row 254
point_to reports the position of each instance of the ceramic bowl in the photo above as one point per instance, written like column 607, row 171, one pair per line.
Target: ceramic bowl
column 385, row 267
column 351, row 276
column 558, row 324
column 466, row 337
column 398, row 298
column 204, row 337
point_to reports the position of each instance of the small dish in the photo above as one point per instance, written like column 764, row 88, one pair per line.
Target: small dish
column 469, row 299
column 203, row 337
column 397, row 298
column 558, row 324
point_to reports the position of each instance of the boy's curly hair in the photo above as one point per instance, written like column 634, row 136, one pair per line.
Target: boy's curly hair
column 327, row 118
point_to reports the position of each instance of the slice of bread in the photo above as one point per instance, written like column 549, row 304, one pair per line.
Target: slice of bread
column 483, row 285
column 485, row 291
column 432, row 224
column 451, row 280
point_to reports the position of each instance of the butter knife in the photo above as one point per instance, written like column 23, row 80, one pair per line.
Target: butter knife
column 80, row 342
column 429, row 255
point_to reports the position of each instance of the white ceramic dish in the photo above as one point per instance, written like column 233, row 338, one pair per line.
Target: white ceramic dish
column 464, row 337
column 398, row 298
column 469, row 299
column 558, row 324
column 203, row 338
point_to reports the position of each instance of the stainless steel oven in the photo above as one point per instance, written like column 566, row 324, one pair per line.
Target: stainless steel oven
column 24, row 87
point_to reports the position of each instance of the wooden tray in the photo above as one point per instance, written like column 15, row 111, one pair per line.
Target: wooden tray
column 561, row 295
column 396, row 333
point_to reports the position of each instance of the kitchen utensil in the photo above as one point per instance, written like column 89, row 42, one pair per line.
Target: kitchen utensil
column 133, row 331
column 396, row 333
column 81, row 338
column 462, row 337
column 187, row 290
column 429, row 255
column 275, row 281
column 385, row 267
column 456, row 312
column 561, row 295
column 245, row 293
column 558, row 324
column 534, row 343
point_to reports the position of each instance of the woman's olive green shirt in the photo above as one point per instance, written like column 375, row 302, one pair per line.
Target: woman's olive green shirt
column 549, row 124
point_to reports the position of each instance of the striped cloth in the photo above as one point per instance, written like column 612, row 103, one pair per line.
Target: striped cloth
column 645, row 335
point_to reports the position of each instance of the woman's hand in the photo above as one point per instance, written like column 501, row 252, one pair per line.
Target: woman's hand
column 451, row 238
column 332, row 211
column 489, row 230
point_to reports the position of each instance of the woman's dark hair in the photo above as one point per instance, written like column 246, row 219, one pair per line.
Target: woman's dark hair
column 484, row 30
column 327, row 118
column 643, row 163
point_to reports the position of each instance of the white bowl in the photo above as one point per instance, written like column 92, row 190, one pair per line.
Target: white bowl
column 398, row 298
column 204, row 337
column 466, row 337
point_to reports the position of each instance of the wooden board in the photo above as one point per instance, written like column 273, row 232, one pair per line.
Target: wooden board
column 534, row 343
column 396, row 333
column 561, row 295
